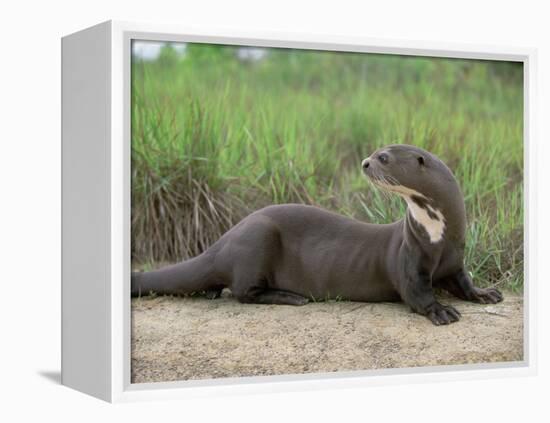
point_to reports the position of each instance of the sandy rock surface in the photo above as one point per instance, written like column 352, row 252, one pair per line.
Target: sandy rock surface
column 197, row 338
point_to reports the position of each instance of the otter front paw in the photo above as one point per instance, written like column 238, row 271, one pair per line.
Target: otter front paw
column 440, row 314
column 486, row 296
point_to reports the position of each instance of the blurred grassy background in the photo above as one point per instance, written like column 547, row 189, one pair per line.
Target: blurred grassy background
column 220, row 131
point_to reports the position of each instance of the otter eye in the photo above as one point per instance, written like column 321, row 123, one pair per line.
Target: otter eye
column 420, row 160
column 383, row 158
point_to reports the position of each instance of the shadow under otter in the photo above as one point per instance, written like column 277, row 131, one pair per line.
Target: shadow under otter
column 288, row 253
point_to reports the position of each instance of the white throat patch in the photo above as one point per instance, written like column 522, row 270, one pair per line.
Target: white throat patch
column 434, row 224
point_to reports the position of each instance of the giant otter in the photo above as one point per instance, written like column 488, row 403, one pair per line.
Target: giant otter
column 285, row 254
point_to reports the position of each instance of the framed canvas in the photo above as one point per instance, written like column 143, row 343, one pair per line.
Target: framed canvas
column 228, row 202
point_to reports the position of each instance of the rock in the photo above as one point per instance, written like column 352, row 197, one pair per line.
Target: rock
column 196, row 338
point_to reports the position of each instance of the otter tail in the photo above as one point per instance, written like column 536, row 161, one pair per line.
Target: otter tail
column 188, row 276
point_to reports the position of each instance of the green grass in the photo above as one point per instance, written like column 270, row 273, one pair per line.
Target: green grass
column 214, row 138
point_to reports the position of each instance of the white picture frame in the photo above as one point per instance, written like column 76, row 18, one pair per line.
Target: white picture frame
column 96, row 213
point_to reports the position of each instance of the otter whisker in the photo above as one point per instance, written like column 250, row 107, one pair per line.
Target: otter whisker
column 392, row 180
column 383, row 187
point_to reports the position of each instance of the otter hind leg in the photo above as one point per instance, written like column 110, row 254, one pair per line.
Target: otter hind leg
column 252, row 257
column 253, row 288
column 275, row 296
column 272, row 296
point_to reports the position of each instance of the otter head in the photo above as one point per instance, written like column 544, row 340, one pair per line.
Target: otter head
column 424, row 181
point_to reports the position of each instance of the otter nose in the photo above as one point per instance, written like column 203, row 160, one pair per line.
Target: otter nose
column 365, row 163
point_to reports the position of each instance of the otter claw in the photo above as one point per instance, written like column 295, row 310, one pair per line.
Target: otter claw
column 440, row 314
column 487, row 296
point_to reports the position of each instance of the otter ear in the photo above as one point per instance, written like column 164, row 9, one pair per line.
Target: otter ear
column 420, row 160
